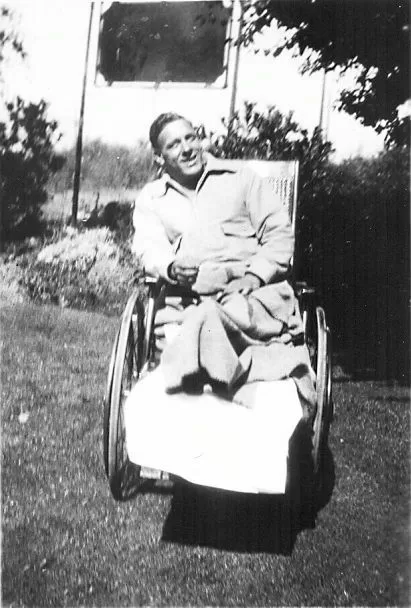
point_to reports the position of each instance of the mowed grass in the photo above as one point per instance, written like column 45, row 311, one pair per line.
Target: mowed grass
column 66, row 542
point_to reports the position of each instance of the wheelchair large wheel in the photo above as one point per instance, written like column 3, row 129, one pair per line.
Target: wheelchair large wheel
column 107, row 402
column 125, row 367
column 321, row 360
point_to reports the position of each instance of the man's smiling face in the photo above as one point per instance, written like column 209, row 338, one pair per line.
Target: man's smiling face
column 181, row 150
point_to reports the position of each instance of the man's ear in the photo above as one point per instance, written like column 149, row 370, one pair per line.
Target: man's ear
column 159, row 160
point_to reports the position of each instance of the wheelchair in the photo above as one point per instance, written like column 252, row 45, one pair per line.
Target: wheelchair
column 134, row 355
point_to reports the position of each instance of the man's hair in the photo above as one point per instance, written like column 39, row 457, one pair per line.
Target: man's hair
column 159, row 124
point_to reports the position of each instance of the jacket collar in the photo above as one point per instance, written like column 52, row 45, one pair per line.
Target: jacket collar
column 213, row 165
column 218, row 165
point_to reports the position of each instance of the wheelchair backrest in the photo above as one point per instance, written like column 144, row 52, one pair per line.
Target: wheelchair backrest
column 283, row 175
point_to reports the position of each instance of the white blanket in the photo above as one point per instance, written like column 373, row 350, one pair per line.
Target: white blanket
column 212, row 442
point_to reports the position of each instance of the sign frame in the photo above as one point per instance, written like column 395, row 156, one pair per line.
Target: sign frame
column 221, row 82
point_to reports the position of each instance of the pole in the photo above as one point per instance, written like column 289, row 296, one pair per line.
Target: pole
column 322, row 107
column 79, row 145
column 328, row 105
column 236, row 63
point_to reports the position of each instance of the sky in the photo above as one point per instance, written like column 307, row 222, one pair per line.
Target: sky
column 54, row 34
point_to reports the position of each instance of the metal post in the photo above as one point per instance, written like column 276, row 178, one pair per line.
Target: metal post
column 79, row 145
column 236, row 62
column 323, row 102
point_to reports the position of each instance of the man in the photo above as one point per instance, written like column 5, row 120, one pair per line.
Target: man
column 206, row 225
column 222, row 232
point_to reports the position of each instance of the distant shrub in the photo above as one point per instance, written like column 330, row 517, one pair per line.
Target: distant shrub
column 85, row 269
column 106, row 166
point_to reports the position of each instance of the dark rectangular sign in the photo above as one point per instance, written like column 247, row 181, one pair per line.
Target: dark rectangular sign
column 164, row 42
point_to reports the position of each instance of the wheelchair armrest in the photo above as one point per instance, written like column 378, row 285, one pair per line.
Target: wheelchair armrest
column 151, row 280
column 302, row 288
column 155, row 285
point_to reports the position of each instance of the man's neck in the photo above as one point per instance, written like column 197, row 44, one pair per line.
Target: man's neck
column 189, row 184
column 189, row 192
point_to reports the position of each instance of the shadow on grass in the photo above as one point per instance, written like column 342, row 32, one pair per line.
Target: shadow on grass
column 240, row 522
column 253, row 522
column 229, row 521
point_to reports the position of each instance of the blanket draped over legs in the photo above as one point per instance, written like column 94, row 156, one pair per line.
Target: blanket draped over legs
column 248, row 339
column 241, row 442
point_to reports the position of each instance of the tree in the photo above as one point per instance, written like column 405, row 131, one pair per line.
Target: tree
column 27, row 154
column 372, row 35
column 9, row 39
column 27, row 158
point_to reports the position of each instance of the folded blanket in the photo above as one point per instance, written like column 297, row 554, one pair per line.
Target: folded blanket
column 248, row 339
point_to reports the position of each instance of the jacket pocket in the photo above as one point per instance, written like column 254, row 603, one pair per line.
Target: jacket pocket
column 238, row 229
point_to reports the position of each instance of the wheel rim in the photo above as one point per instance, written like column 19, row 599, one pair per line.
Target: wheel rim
column 329, row 375
column 106, row 403
column 126, row 371
column 126, row 386
column 322, row 384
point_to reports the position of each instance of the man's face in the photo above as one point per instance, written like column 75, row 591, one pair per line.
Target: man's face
column 181, row 151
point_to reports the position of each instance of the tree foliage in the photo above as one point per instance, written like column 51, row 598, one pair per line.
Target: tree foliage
column 27, row 154
column 372, row 35
column 9, row 39
column 27, row 158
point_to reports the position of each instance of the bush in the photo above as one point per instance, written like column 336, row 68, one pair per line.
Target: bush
column 84, row 269
column 27, row 159
column 360, row 260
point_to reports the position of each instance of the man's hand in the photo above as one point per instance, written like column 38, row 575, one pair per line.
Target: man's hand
column 245, row 285
column 184, row 271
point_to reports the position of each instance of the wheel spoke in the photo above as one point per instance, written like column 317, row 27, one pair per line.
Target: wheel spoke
column 121, row 440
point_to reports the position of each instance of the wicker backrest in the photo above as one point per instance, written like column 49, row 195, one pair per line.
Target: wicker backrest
column 283, row 175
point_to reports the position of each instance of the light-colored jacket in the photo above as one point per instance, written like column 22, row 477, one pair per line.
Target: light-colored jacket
column 233, row 223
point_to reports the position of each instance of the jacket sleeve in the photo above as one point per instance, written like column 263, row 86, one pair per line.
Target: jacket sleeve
column 271, row 221
column 150, row 241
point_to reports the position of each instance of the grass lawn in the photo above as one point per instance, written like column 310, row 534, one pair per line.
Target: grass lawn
column 66, row 542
